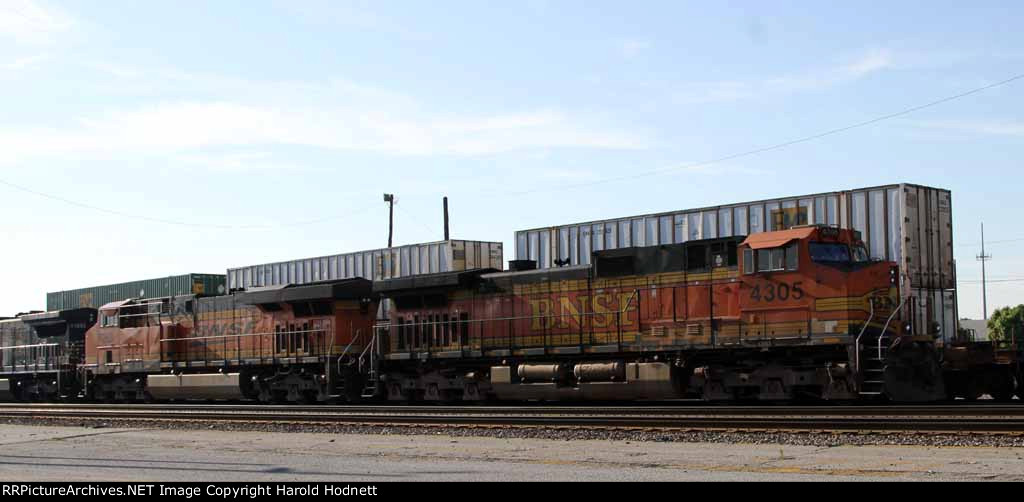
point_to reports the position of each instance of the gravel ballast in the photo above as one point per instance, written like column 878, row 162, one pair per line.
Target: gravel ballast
column 821, row 439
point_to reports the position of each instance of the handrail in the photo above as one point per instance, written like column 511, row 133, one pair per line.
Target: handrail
column 521, row 318
column 886, row 327
column 123, row 345
column 856, row 353
column 636, row 293
column 13, row 347
column 357, row 336
column 345, row 351
column 143, row 304
column 167, row 340
column 362, row 355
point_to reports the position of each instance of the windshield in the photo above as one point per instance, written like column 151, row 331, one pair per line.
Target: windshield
column 830, row 253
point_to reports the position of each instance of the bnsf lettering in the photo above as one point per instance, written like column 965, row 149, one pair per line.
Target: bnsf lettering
column 225, row 328
column 571, row 312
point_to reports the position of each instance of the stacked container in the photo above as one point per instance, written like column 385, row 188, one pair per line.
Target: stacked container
column 905, row 223
column 97, row 296
column 377, row 264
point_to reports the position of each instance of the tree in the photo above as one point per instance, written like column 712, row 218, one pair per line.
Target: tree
column 1007, row 323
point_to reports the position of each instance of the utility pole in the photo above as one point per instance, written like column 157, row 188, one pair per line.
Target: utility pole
column 983, row 258
column 390, row 199
column 446, row 237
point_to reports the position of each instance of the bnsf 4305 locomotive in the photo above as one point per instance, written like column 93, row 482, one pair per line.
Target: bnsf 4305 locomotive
column 778, row 315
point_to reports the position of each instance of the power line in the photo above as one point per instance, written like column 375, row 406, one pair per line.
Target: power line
column 419, row 222
column 979, row 281
column 165, row 221
column 775, row 146
column 1004, row 241
column 544, row 189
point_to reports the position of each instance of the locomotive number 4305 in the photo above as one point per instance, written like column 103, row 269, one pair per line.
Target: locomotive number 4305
column 770, row 292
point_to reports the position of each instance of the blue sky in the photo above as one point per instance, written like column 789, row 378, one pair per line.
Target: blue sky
column 271, row 129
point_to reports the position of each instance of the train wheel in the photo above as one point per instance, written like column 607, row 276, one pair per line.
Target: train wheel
column 1002, row 386
column 1002, row 391
column 913, row 374
column 1003, row 396
column 395, row 393
column 308, row 397
column 471, row 394
column 279, row 396
column 973, row 390
column 950, row 392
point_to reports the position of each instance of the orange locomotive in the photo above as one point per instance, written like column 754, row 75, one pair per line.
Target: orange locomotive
column 275, row 344
column 777, row 315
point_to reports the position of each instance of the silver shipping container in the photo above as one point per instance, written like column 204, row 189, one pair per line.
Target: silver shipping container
column 377, row 264
column 905, row 223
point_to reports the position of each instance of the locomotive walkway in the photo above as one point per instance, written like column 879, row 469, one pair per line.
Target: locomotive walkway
column 963, row 418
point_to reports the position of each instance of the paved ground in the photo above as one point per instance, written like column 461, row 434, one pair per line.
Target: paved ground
column 76, row 453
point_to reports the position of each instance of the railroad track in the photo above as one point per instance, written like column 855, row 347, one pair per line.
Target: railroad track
column 1006, row 419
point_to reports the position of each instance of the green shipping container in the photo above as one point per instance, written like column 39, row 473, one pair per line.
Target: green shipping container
column 97, row 296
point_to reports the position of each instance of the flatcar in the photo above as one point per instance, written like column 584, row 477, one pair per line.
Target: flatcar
column 976, row 368
column 801, row 313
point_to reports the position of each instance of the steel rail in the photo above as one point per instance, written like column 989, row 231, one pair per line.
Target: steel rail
column 986, row 419
column 976, row 409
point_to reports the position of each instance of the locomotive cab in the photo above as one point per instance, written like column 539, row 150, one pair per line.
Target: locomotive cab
column 814, row 281
column 819, row 283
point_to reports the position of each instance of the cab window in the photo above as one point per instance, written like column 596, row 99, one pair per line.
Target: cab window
column 108, row 321
column 860, row 254
column 829, row 252
column 771, row 259
column 792, row 257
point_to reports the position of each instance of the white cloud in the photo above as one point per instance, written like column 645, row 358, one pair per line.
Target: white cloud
column 162, row 82
column 349, row 16
column 632, row 47
column 176, row 127
column 32, row 21
column 244, row 161
column 868, row 63
column 24, row 63
column 113, row 69
column 224, row 113
column 735, row 90
column 571, row 174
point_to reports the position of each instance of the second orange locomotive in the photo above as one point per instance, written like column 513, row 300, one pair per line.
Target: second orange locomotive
column 273, row 344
